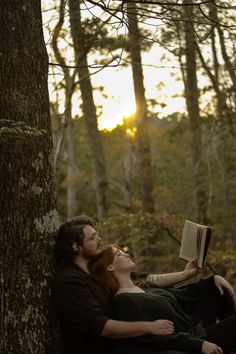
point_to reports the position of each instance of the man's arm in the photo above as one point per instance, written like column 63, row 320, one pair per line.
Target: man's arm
column 170, row 279
column 78, row 306
column 123, row 329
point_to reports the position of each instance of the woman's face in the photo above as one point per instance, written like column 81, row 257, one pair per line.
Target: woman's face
column 121, row 261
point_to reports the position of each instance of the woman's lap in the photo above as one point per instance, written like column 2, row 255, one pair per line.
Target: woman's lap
column 213, row 307
column 223, row 333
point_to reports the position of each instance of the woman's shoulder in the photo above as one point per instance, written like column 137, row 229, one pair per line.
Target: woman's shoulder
column 126, row 296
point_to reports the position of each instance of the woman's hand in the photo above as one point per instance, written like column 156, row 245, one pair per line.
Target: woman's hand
column 191, row 269
column 163, row 327
column 221, row 283
column 211, row 348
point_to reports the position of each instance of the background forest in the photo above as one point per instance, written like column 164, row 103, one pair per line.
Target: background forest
column 139, row 133
column 142, row 178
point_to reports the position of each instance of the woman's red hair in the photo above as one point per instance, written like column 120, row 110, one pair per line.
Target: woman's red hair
column 98, row 269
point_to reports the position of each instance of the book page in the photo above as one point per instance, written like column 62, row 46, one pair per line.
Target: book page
column 189, row 244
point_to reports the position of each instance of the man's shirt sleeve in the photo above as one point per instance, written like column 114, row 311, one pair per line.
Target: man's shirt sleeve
column 78, row 306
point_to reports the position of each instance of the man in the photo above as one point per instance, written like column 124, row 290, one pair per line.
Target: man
column 82, row 303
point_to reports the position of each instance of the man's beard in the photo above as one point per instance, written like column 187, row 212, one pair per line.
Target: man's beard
column 87, row 255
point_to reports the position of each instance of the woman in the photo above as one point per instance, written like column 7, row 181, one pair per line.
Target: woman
column 192, row 309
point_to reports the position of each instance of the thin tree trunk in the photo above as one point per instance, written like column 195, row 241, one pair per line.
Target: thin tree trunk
column 143, row 140
column 72, row 209
column 27, row 201
column 59, row 58
column 223, row 111
column 192, row 101
column 69, row 89
column 127, row 169
column 89, row 109
column 224, row 118
column 226, row 136
column 228, row 64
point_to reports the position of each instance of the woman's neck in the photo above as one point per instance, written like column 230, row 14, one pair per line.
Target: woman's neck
column 124, row 280
column 126, row 285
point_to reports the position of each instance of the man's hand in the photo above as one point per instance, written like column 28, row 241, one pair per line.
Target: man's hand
column 221, row 283
column 211, row 348
column 191, row 269
column 162, row 327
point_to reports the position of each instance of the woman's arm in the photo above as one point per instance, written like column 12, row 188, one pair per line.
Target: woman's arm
column 181, row 342
column 221, row 283
column 170, row 279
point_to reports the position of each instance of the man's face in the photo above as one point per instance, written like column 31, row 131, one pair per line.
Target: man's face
column 92, row 242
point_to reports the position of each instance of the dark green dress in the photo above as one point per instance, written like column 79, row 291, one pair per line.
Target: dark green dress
column 173, row 304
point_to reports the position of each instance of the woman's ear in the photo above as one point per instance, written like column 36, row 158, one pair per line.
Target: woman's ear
column 110, row 268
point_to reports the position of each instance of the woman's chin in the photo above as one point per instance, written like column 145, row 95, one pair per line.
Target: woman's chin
column 132, row 265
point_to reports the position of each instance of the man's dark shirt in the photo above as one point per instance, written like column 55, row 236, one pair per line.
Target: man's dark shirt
column 82, row 307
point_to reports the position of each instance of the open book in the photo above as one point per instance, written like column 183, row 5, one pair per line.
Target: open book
column 195, row 242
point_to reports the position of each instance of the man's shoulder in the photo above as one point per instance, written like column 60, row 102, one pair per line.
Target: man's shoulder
column 70, row 273
column 71, row 280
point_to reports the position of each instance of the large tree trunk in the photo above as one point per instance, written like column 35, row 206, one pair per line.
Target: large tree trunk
column 192, row 102
column 89, row 109
column 146, row 180
column 28, row 215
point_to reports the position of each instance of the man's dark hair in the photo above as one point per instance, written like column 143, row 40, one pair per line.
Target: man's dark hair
column 69, row 232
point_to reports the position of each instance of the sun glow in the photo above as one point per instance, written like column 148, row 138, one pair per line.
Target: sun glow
column 131, row 132
column 115, row 112
column 116, row 100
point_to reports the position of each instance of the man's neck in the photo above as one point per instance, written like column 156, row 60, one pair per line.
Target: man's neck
column 82, row 263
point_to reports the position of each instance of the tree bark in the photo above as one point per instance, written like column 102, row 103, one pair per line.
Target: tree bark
column 192, row 102
column 27, row 202
column 144, row 150
column 89, row 109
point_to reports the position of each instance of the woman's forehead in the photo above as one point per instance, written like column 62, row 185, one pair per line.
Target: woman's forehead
column 114, row 249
